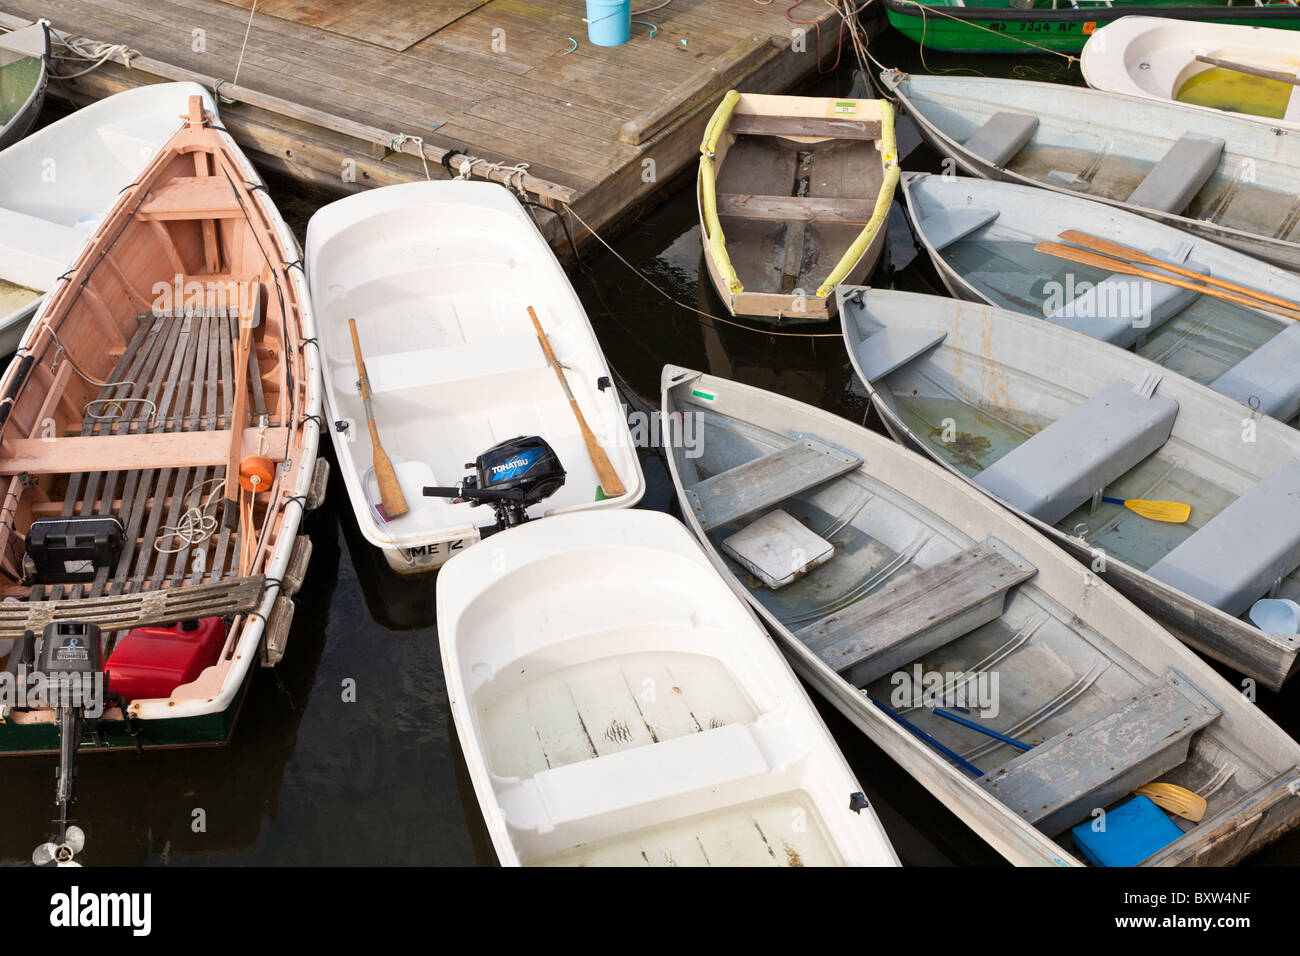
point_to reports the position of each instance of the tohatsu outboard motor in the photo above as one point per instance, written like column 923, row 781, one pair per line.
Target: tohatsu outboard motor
column 511, row 477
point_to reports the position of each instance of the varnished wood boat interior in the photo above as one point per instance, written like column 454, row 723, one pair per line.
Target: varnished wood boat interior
column 793, row 195
column 169, row 355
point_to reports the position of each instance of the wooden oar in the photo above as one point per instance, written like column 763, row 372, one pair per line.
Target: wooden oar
column 1097, row 244
column 232, row 514
column 1249, row 70
column 605, row 473
column 1084, row 257
column 390, row 492
column 1174, row 512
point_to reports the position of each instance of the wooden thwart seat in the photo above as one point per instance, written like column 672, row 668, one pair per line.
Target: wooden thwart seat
column 917, row 613
column 856, row 212
column 192, row 197
column 767, row 480
column 93, row 453
column 754, row 125
column 1062, row 780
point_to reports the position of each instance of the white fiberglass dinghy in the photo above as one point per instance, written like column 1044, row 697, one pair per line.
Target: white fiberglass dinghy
column 1253, row 72
column 618, row 705
column 439, row 278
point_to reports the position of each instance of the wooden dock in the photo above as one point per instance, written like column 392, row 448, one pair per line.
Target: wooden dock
column 347, row 94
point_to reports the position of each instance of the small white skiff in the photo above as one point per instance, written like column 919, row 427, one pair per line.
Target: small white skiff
column 617, row 704
column 1200, row 64
column 439, row 277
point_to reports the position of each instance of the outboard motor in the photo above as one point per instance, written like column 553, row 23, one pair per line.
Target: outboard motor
column 511, row 477
column 71, row 658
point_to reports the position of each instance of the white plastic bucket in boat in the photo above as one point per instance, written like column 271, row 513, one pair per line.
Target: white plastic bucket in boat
column 1276, row 616
column 609, row 22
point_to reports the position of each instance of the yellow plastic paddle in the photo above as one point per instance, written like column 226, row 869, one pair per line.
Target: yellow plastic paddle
column 1175, row 799
column 1174, row 512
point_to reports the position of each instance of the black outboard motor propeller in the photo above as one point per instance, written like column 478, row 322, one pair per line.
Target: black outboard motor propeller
column 511, row 477
column 71, row 658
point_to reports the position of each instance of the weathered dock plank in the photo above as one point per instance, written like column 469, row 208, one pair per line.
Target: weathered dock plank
column 331, row 92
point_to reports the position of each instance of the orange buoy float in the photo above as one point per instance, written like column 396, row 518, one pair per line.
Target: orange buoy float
column 256, row 473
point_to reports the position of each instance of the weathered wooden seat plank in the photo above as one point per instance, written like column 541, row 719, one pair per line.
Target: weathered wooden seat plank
column 1062, row 780
column 917, row 613
column 767, row 480
column 803, row 126
column 140, row 609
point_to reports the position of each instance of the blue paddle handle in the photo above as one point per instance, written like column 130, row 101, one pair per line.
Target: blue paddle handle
column 958, row 719
column 951, row 755
column 1114, row 501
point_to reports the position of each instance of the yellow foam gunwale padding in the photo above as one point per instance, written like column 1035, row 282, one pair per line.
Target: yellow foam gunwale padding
column 884, row 199
column 708, row 191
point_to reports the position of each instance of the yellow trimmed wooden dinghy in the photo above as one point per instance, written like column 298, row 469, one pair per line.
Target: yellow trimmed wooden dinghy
column 158, row 437
column 901, row 593
column 794, row 193
column 618, row 705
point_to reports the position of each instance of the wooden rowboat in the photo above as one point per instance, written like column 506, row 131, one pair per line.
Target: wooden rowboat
column 46, row 220
column 970, row 386
column 983, row 236
column 1007, row 26
column 24, row 75
column 897, row 578
column 1197, row 64
column 794, row 193
column 617, row 705
column 1222, row 177
column 439, row 277
column 159, row 427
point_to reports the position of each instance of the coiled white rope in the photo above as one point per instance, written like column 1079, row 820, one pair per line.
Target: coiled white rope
column 83, row 49
column 196, row 524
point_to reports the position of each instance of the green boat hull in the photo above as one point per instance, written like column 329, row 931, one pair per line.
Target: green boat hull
column 990, row 29
column 205, row 730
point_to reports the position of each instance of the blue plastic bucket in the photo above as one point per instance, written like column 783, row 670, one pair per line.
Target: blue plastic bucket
column 609, row 22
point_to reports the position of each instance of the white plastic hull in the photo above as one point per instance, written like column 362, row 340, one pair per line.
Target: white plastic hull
column 618, row 705
column 439, row 277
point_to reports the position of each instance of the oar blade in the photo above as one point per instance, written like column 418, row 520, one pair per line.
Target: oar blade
column 1174, row 512
column 1175, row 799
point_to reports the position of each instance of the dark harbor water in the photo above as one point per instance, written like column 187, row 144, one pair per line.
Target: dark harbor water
column 309, row 779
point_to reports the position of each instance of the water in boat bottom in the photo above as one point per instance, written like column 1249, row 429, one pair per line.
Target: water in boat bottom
column 310, row 778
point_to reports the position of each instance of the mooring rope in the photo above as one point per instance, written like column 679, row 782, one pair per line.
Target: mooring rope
column 244, row 45
column 81, row 49
column 401, row 139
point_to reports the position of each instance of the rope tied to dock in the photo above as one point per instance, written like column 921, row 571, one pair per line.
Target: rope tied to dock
column 82, row 49
column 515, row 172
column 401, row 139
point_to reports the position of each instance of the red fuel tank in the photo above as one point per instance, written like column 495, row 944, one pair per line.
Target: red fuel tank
column 153, row 661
